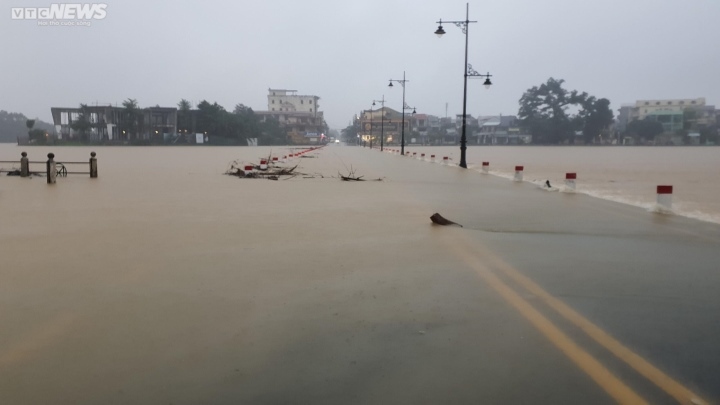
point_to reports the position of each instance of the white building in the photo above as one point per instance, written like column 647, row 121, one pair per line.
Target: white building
column 281, row 100
column 299, row 115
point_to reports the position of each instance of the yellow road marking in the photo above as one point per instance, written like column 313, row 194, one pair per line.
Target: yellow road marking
column 601, row 375
column 642, row 366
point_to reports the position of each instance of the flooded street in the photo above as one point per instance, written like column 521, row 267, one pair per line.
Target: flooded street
column 164, row 281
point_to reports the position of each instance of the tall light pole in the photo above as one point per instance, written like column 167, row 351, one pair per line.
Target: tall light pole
column 371, row 124
column 402, row 137
column 382, row 121
column 467, row 71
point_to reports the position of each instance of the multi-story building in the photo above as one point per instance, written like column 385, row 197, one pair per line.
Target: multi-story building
column 670, row 113
column 501, row 130
column 106, row 123
column 624, row 117
column 386, row 122
column 299, row 115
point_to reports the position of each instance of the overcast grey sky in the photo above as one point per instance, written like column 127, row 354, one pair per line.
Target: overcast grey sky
column 233, row 51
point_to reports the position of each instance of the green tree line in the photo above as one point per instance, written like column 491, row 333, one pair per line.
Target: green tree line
column 14, row 125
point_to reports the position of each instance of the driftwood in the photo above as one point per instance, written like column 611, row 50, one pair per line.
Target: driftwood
column 352, row 177
column 438, row 219
column 237, row 169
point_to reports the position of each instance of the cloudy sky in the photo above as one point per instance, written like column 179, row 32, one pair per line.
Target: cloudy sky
column 233, row 51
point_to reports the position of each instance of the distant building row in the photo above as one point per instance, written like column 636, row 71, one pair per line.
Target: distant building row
column 299, row 115
column 670, row 113
column 430, row 129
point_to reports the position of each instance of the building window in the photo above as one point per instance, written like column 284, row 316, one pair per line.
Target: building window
column 682, row 102
column 657, row 103
column 646, row 103
column 309, row 101
column 273, row 101
column 669, row 102
column 692, row 102
column 273, row 109
column 302, row 101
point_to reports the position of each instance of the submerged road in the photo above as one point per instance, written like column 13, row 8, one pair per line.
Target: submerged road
column 211, row 289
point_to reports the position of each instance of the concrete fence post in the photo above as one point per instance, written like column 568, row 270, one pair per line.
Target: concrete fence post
column 570, row 180
column 519, row 173
column 664, row 196
column 51, row 168
column 24, row 165
column 93, row 165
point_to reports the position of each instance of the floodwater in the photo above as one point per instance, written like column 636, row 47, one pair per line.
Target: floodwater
column 164, row 281
column 623, row 174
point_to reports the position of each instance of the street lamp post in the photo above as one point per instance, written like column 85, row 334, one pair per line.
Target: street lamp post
column 467, row 71
column 382, row 120
column 402, row 136
column 371, row 124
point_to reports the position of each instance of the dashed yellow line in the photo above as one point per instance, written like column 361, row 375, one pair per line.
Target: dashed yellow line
column 601, row 375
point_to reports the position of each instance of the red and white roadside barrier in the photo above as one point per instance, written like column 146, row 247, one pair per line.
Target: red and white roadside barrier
column 263, row 164
column 248, row 169
column 432, row 158
column 446, row 160
column 519, row 173
column 570, row 180
column 275, row 159
column 485, row 167
column 422, row 156
column 664, row 197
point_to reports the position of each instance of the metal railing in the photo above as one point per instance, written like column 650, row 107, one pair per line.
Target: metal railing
column 53, row 169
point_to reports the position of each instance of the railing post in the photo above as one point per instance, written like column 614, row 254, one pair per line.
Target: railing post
column 51, row 169
column 24, row 165
column 93, row 165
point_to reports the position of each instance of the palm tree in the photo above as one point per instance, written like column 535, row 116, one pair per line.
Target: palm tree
column 131, row 121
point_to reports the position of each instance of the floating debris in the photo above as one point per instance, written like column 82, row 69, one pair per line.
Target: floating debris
column 440, row 220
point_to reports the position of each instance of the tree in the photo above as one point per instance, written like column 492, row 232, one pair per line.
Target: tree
column 212, row 119
column 38, row 135
column 544, row 112
column 646, row 129
column 350, row 133
column 184, row 116
column 272, row 133
column 131, row 121
column 30, row 124
column 82, row 123
column 597, row 117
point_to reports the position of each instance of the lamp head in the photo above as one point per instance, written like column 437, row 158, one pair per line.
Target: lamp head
column 440, row 31
column 373, row 102
column 390, row 85
column 487, row 83
column 413, row 111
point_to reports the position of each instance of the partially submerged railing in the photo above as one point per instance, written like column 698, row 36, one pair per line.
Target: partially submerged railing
column 54, row 169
